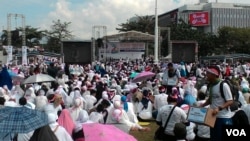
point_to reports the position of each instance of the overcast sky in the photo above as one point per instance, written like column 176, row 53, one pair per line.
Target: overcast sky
column 84, row 14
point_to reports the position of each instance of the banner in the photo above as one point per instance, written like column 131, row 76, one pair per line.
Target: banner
column 199, row 19
column 9, row 56
column 24, row 55
column 122, row 50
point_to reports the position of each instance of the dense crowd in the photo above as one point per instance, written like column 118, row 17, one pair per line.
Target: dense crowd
column 105, row 93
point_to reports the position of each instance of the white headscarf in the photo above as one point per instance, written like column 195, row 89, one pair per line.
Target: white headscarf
column 76, row 109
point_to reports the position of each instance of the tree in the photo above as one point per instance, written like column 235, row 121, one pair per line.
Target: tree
column 234, row 40
column 59, row 31
column 143, row 24
column 33, row 36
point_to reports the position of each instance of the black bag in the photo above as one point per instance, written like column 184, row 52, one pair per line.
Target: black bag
column 159, row 133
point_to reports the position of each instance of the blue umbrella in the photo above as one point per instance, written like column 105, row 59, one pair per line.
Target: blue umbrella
column 11, row 73
column 5, row 78
column 21, row 120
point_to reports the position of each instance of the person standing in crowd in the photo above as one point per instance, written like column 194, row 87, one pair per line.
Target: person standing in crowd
column 219, row 105
column 170, row 77
column 52, row 70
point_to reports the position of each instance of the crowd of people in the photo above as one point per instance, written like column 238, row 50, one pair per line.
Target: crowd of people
column 106, row 94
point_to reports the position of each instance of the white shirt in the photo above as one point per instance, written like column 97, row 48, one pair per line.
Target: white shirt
column 160, row 100
column 90, row 100
column 79, row 115
column 198, row 73
column 50, row 108
column 131, row 114
column 145, row 113
column 171, row 81
column 40, row 102
column 177, row 116
column 190, row 131
column 218, row 100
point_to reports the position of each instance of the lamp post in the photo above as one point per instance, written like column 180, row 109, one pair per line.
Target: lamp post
column 156, row 35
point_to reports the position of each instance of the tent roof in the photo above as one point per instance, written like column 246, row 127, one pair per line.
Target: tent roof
column 130, row 36
column 226, row 56
column 35, row 53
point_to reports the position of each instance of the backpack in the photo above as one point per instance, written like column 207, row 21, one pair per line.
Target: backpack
column 235, row 94
column 240, row 118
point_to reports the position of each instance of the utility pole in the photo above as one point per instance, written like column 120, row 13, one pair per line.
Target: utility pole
column 156, row 51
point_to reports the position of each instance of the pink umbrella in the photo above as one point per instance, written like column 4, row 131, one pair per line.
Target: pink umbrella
column 105, row 132
column 143, row 76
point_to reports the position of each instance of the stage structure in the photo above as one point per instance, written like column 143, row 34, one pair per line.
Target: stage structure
column 126, row 45
column 9, row 41
column 99, row 33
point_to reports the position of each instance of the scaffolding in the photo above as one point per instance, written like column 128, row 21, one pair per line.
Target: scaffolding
column 9, row 16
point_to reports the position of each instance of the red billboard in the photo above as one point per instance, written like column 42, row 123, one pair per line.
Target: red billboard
column 199, row 18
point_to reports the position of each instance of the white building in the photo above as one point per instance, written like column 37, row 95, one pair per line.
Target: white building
column 219, row 15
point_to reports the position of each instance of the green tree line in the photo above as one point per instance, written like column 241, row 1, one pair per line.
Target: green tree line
column 50, row 40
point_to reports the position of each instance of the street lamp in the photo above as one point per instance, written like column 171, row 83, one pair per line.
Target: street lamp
column 156, row 35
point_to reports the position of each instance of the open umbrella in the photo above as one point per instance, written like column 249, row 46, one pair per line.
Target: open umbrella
column 145, row 75
column 133, row 74
column 11, row 73
column 18, row 78
column 21, row 120
column 105, row 132
column 39, row 78
column 5, row 78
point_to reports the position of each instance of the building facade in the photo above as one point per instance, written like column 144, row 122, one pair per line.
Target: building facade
column 209, row 17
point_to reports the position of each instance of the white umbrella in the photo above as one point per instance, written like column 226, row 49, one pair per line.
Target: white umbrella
column 39, row 78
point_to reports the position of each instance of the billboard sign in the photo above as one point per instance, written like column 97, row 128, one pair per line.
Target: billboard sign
column 118, row 50
column 199, row 18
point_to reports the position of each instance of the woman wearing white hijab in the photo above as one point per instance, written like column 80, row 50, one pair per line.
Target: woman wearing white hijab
column 30, row 95
column 120, row 116
column 41, row 100
column 78, row 114
column 60, row 132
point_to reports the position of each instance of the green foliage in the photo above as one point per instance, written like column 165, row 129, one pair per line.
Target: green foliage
column 33, row 36
column 143, row 24
column 59, row 31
